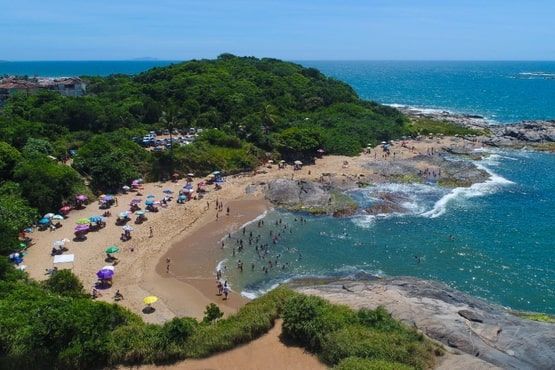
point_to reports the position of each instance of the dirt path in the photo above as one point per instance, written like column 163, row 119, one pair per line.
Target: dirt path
column 267, row 352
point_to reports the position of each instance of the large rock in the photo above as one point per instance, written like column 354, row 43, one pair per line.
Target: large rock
column 467, row 324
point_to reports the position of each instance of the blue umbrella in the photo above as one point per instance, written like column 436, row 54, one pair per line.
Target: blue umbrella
column 182, row 197
column 95, row 219
column 105, row 274
column 44, row 221
column 149, row 202
column 168, row 191
column 108, row 198
column 150, row 196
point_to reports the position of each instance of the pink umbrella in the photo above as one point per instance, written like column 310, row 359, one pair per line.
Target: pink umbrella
column 81, row 197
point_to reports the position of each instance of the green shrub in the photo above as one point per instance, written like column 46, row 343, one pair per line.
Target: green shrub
column 66, row 283
column 360, row 341
column 356, row 363
column 308, row 319
column 212, row 313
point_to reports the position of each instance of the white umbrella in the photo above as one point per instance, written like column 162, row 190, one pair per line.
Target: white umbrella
column 125, row 187
column 127, row 228
column 58, row 217
column 298, row 162
column 49, row 215
column 109, row 268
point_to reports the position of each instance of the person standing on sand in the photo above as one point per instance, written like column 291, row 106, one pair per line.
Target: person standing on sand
column 227, row 211
column 151, row 232
column 168, row 261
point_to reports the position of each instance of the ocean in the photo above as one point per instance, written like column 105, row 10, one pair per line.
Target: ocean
column 493, row 240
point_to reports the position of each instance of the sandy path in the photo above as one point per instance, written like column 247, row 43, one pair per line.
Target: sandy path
column 267, row 352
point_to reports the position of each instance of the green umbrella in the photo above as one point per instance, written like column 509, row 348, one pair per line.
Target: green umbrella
column 82, row 221
column 112, row 249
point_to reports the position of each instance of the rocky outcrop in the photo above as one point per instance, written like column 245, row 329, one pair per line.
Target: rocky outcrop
column 461, row 322
column 309, row 196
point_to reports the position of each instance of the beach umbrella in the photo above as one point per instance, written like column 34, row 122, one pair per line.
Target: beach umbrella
column 135, row 182
column 182, row 197
column 82, row 221
column 108, row 197
column 60, row 243
column 105, row 274
column 65, row 209
column 44, row 221
column 298, row 162
column 270, row 161
column 168, row 191
column 48, row 215
column 81, row 228
column 58, row 217
column 123, row 214
column 112, row 249
column 127, row 228
column 22, row 246
column 125, row 187
column 150, row 299
column 149, row 202
column 282, row 161
column 111, row 268
column 95, row 219
column 190, row 174
column 140, row 213
column 215, row 173
column 81, row 197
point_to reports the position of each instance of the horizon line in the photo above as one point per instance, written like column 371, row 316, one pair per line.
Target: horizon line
column 289, row 60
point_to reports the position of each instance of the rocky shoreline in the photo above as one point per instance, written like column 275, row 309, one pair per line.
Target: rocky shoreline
column 463, row 324
column 538, row 135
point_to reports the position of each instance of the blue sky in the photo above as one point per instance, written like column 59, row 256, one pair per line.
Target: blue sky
column 288, row 29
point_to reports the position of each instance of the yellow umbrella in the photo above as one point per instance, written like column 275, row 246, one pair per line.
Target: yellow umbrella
column 83, row 221
column 150, row 299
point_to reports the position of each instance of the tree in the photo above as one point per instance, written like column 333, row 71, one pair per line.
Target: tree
column 15, row 215
column 37, row 146
column 65, row 282
column 299, row 143
column 9, row 156
column 212, row 313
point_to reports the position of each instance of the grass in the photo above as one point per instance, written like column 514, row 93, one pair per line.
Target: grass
column 542, row 317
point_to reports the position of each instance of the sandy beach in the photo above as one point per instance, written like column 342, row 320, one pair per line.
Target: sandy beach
column 189, row 235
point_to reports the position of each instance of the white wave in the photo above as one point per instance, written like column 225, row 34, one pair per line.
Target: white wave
column 253, row 294
column 256, row 219
column 364, row 221
column 489, row 186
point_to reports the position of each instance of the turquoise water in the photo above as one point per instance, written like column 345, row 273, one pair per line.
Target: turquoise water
column 500, row 91
column 493, row 240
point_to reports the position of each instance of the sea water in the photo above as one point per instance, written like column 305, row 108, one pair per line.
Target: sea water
column 493, row 240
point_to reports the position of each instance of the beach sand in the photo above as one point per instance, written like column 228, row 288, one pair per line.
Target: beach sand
column 189, row 235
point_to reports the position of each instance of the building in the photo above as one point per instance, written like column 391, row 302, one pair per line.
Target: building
column 67, row 86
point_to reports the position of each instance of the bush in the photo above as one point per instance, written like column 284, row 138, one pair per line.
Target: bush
column 356, row 363
column 212, row 313
column 307, row 320
column 360, row 341
column 66, row 283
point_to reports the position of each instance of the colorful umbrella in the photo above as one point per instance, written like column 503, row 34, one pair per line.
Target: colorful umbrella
column 182, row 197
column 48, row 215
column 65, row 209
column 140, row 213
column 44, row 221
column 105, row 274
column 168, row 191
column 108, row 197
column 135, row 201
column 123, row 214
column 150, row 196
column 96, row 219
column 111, row 268
column 149, row 202
column 127, row 228
column 150, row 299
column 82, row 221
column 81, row 197
column 80, row 228
column 125, row 187
column 112, row 249
column 58, row 217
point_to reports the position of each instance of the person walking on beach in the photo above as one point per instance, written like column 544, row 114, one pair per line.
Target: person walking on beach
column 220, row 288
column 226, row 291
column 227, row 211
column 151, row 232
column 168, row 261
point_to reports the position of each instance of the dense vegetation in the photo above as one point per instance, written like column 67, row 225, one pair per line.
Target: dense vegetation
column 54, row 325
